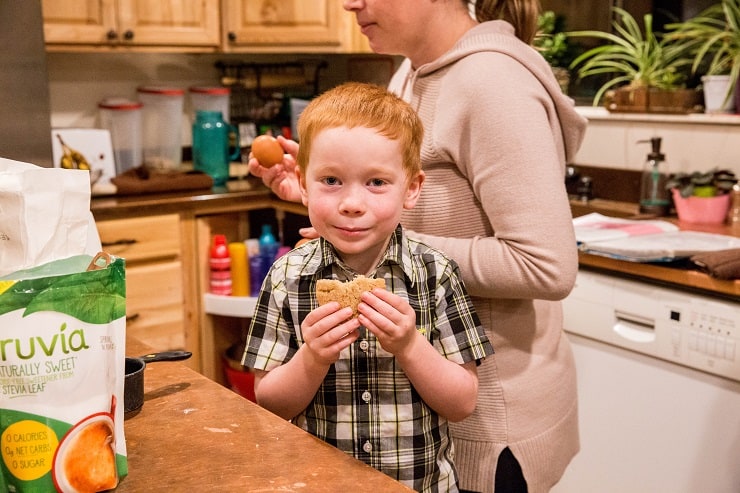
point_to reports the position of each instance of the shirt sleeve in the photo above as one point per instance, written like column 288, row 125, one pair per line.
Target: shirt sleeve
column 270, row 340
column 459, row 334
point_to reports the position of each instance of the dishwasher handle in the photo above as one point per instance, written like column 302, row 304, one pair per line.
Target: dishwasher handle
column 634, row 328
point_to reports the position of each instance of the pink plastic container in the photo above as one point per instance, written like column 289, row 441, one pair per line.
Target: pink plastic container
column 703, row 210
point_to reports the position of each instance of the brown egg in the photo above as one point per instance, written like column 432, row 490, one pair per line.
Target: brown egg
column 267, row 151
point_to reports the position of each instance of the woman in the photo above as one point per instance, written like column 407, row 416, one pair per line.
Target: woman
column 498, row 132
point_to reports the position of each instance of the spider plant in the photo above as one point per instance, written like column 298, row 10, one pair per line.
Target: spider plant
column 637, row 59
column 713, row 36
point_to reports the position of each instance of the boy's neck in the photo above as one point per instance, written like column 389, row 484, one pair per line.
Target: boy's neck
column 362, row 263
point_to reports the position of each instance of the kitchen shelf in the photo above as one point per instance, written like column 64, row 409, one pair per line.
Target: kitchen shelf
column 229, row 306
column 600, row 113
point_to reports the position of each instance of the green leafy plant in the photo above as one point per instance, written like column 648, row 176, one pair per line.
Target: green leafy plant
column 551, row 40
column 636, row 59
column 702, row 184
column 713, row 37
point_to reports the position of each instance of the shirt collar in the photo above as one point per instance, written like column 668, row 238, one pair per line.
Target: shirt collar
column 324, row 256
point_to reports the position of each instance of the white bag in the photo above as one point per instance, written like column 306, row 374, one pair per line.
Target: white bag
column 44, row 214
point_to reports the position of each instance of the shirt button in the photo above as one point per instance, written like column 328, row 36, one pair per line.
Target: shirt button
column 366, row 396
column 364, row 345
column 367, row 447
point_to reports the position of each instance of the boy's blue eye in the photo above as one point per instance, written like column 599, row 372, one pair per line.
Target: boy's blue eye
column 377, row 182
column 331, row 180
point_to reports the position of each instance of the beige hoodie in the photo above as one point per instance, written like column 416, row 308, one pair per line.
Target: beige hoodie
column 498, row 133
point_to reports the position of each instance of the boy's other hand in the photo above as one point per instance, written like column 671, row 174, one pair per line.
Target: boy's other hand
column 390, row 317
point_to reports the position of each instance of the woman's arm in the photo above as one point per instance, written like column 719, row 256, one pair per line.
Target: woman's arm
column 504, row 136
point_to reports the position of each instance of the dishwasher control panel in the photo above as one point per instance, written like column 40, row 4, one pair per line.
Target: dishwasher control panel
column 696, row 331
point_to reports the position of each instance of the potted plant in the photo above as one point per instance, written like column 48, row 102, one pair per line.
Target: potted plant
column 702, row 197
column 643, row 64
column 552, row 42
column 713, row 36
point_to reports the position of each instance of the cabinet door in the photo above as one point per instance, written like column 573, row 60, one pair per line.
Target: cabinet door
column 298, row 25
column 154, row 301
column 132, row 23
column 78, row 21
column 154, row 276
column 169, row 22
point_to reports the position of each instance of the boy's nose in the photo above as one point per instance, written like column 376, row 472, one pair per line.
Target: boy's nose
column 350, row 5
column 351, row 203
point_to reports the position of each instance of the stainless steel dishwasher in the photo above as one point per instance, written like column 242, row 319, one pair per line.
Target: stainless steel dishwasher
column 659, row 388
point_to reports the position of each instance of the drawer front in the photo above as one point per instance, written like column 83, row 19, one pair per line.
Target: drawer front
column 154, row 304
column 141, row 238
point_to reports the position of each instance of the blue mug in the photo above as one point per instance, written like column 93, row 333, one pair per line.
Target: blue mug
column 211, row 146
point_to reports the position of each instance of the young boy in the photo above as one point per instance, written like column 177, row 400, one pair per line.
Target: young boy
column 381, row 385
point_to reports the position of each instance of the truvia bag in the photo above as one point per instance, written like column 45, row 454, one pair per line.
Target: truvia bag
column 62, row 369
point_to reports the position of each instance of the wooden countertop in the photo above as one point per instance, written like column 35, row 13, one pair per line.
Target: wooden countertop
column 679, row 276
column 193, row 434
column 112, row 207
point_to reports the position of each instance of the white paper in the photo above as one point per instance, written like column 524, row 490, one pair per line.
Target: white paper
column 44, row 215
column 598, row 227
column 644, row 240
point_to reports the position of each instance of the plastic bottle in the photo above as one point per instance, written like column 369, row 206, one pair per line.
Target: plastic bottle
column 220, row 265
column 654, row 197
column 268, row 244
column 733, row 215
column 239, row 269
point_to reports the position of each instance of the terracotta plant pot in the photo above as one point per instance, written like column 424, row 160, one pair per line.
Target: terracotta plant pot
column 703, row 210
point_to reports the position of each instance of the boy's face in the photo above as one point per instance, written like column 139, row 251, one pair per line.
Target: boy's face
column 355, row 189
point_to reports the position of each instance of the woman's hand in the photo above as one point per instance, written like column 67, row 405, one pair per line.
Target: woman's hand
column 281, row 178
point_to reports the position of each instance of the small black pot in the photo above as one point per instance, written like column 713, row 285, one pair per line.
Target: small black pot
column 133, row 389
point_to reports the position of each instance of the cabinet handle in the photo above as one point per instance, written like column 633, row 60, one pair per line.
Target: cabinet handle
column 111, row 35
column 124, row 241
column 128, row 35
column 232, row 36
column 132, row 317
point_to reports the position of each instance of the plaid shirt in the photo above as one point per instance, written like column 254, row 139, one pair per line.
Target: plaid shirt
column 366, row 405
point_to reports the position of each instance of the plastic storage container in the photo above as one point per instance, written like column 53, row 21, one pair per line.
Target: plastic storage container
column 209, row 98
column 122, row 118
column 162, row 126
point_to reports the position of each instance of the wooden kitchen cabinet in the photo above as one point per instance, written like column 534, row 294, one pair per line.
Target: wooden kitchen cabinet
column 191, row 25
column 270, row 26
column 151, row 246
column 165, row 239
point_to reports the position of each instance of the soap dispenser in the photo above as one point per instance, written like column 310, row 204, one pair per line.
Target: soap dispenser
column 654, row 198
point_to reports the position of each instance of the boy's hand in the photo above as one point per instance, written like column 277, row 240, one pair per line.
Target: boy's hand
column 328, row 330
column 281, row 178
column 390, row 318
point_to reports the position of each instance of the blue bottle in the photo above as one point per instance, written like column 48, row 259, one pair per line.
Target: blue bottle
column 268, row 244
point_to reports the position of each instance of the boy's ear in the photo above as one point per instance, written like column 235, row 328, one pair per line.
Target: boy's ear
column 302, row 186
column 413, row 190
